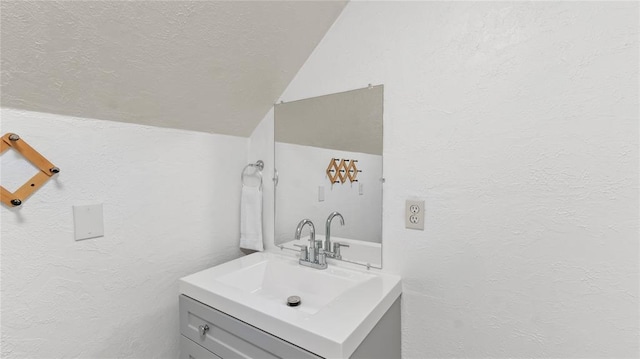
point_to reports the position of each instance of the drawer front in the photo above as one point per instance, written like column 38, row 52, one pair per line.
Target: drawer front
column 191, row 350
column 229, row 337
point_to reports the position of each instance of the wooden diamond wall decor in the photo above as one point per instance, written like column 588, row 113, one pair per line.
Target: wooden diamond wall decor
column 47, row 169
column 352, row 171
column 339, row 171
column 332, row 171
column 342, row 171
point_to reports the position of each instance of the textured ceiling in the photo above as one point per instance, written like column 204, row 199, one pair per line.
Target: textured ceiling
column 213, row 66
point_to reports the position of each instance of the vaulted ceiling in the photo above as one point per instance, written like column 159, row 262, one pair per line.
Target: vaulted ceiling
column 213, row 66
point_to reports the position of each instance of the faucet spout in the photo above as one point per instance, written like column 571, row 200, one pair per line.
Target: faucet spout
column 311, row 228
column 327, row 233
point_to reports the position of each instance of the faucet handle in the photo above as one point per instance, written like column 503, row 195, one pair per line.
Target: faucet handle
column 336, row 249
column 303, row 251
column 322, row 257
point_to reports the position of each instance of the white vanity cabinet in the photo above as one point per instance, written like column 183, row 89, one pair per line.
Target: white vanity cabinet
column 238, row 310
column 209, row 333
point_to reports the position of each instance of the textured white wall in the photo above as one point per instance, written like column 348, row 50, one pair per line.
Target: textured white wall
column 171, row 203
column 302, row 170
column 518, row 123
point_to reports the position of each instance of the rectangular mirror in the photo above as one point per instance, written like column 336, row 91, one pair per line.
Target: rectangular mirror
column 328, row 158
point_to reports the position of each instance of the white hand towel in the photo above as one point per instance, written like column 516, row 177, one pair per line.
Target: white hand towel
column 251, row 218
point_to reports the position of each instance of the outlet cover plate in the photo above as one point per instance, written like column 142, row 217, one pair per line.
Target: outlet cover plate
column 88, row 221
column 414, row 214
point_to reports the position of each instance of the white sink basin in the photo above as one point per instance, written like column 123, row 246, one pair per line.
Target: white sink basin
column 338, row 307
column 276, row 280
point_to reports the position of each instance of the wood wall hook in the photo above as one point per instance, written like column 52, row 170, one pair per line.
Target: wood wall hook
column 47, row 169
column 352, row 171
column 342, row 171
column 332, row 171
column 339, row 171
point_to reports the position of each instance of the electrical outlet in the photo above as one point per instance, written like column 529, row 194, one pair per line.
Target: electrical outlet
column 414, row 215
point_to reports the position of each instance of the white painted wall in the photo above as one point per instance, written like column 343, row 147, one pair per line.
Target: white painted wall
column 302, row 169
column 171, row 203
column 518, row 123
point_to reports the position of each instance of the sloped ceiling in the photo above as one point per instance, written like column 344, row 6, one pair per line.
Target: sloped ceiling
column 212, row 66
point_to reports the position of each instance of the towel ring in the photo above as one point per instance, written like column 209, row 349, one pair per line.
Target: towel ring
column 259, row 166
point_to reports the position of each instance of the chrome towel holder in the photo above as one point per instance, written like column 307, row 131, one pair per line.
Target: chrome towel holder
column 258, row 166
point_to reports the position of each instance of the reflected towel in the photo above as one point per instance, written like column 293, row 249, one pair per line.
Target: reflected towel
column 251, row 218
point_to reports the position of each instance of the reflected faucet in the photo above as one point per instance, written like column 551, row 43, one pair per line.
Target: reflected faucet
column 327, row 238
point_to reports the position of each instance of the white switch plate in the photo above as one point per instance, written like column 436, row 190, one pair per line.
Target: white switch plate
column 88, row 221
column 320, row 193
column 360, row 189
column 414, row 214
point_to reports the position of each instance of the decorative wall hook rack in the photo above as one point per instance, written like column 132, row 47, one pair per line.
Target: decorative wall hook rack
column 339, row 171
column 47, row 170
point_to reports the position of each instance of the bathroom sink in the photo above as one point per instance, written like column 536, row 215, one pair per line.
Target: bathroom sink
column 275, row 280
column 338, row 308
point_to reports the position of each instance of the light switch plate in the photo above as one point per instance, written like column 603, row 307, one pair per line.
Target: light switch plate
column 320, row 193
column 414, row 214
column 88, row 221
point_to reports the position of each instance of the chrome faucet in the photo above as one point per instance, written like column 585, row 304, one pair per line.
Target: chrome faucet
column 327, row 232
column 311, row 256
column 302, row 224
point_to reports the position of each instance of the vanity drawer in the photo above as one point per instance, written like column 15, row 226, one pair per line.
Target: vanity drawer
column 191, row 350
column 229, row 337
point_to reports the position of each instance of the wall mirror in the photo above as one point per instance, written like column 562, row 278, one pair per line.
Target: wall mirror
column 328, row 157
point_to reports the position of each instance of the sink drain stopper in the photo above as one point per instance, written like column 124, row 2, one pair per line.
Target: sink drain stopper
column 293, row 301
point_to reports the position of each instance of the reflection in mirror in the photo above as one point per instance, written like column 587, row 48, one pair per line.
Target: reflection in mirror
column 328, row 154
